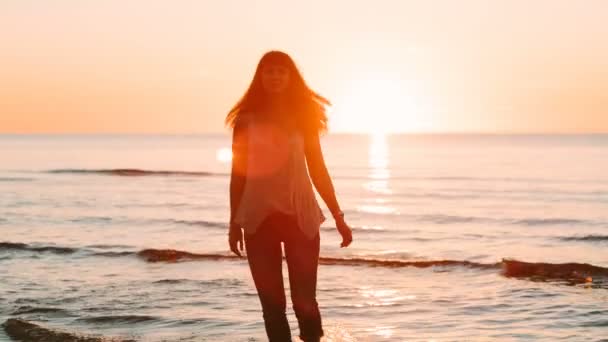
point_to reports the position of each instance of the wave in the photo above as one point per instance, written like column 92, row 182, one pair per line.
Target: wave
column 21, row 330
column 25, row 247
column 136, row 172
column 462, row 178
column 16, row 179
column 574, row 272
column 172, row 255
column 118, row 319
column 403, row 263
column 449, row 219
column 90, row 219
column 527, row 222
column 106, row 246
column 202, row 223
column 220, row 282
column 146, row 172
column 171, row 281
column 577, row 272
column 224, row 225
column 32, row 309
column 468, row 179
column 552, row 222
column 112, row 254
column 446, row 219
column 585, row 238
column 510, row 268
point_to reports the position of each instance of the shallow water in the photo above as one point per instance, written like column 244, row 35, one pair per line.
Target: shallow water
column 72, row 223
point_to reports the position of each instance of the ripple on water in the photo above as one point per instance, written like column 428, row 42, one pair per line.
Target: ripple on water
column 27, row 309
column 119, row 319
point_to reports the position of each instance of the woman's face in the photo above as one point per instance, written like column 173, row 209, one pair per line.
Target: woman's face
column 275, row 78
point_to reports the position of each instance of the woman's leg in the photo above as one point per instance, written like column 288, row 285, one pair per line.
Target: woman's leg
column 265, row 262
column 302, row 256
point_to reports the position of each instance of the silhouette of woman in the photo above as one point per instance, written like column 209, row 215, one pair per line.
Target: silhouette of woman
column 276, row 154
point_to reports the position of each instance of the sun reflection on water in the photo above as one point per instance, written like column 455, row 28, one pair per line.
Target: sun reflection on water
column 383, row 331
column 373, row 297
column 379, row 157
column 379, row 176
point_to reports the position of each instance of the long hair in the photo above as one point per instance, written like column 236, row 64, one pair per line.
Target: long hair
column 306, row 107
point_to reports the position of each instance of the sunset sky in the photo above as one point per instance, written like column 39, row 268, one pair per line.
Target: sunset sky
column 149, row 66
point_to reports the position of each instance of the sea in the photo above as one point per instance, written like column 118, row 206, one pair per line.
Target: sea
column 457, row 237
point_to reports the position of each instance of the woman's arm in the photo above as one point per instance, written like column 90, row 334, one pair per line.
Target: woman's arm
column 322, row 182
column 319, row 174
column 239, row 168
column 238, row 177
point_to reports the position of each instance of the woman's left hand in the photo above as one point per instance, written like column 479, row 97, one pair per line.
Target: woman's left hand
column 235, row 239
column 345, row 232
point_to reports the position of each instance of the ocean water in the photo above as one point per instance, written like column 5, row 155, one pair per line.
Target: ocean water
column 456, row 238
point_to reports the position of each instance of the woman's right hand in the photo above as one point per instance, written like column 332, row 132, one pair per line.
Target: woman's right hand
column 235, row 239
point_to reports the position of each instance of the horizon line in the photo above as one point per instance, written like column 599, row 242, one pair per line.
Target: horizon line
column 430, row 133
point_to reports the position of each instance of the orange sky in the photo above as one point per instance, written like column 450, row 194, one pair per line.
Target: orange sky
column 177, row 66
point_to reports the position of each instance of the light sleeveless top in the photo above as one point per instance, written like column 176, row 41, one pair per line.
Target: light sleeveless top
column 277, row 180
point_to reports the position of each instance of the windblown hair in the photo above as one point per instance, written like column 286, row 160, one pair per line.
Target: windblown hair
column 306, row 107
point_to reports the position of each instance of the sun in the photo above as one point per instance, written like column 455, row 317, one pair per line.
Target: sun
column 378, row 106
column 223, row 155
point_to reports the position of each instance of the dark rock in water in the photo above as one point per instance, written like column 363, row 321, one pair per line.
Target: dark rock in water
column 579, row 273
column 24, row 331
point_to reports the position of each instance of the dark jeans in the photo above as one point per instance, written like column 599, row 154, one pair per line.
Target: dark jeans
column 265, row 261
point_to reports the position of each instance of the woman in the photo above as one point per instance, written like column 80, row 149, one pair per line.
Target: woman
column 276, row 128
